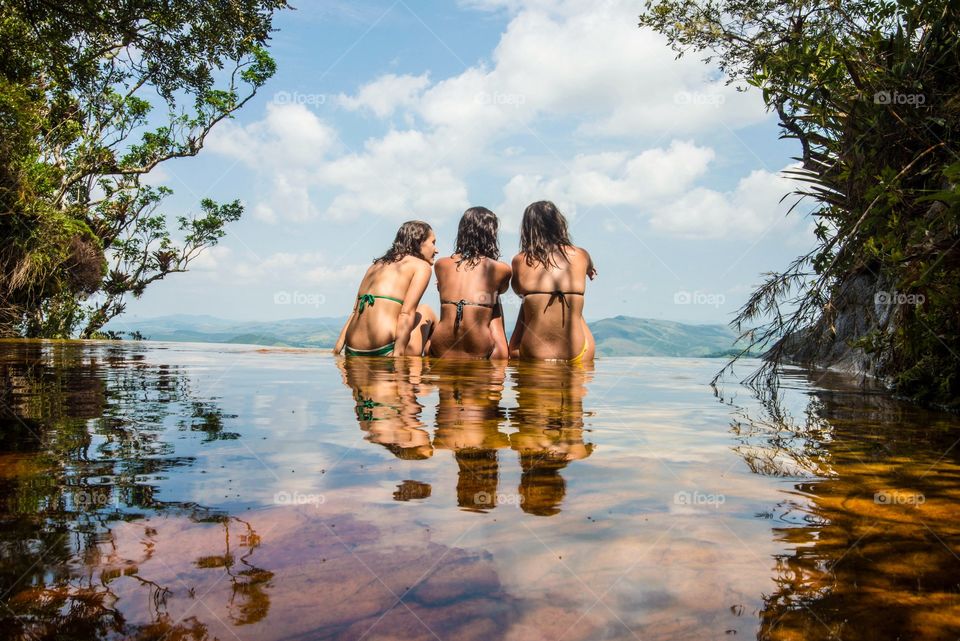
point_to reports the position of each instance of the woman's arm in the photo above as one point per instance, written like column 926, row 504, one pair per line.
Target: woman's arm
column 343, row 332
column 504, row 274
column 411, row 300
column 591, row 270
column 499, row 332
column 515, row 274
column 517, row 335
column 342, row 339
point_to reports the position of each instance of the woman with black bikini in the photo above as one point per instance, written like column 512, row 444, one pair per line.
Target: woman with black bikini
column 550, row 273
column 470, row 283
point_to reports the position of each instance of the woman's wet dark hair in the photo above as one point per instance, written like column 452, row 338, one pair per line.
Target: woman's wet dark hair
column 477, row 236
column 543, row 234
column 407, row 242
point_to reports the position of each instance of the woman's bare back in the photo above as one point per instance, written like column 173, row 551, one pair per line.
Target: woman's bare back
column 472, row 293
column 551, row 324
column 374, row 325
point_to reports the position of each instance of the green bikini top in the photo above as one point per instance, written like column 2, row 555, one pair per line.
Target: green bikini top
column 369, row 299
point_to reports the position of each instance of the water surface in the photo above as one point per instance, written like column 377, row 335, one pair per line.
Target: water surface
column 175, row 491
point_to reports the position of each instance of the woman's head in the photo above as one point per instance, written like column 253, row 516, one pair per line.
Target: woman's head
column 543, row 233
column 477, row 236
column 414, row 238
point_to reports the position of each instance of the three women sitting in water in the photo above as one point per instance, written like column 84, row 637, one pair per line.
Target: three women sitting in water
column 549, row 273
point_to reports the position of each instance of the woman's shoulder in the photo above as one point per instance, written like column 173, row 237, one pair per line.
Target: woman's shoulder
column 413, row 264
column 500, row 266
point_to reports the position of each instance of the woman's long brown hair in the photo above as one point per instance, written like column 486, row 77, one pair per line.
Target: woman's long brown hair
column 477, row 236
column 544, row 234
column 407, row 241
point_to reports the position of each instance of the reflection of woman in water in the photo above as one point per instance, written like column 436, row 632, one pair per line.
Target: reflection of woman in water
column 550, row 273
column 468, row 422
column 470, row 283
column 549, row 422
column 387, row 409
column 387, row 318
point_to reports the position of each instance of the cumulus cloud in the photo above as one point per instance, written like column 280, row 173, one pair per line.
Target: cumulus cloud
column 293, row 269
column 752, row 208
column 289, row 138
column 583, row 64
column 211, row 259
column 610, row 179
column 398, row 176
column 589, row 62
column 660, row 184
column 386, row 94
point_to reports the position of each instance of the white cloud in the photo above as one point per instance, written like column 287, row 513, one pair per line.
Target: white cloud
column 386, row 94
column 211, row 259
column 291, row 269
column 584, row 64
column 289, row 138
column 609, row 179
column 615, row 179
column 751, row 209
column 398, row 177
column 524, row 189
column 589, row 62
column 290, row 198
column 327, row 274
column 659, row 183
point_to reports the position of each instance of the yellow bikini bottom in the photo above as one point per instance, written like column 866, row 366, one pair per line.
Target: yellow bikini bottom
column 576, row 360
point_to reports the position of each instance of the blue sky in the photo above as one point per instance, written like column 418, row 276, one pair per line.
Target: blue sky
column 382, row 112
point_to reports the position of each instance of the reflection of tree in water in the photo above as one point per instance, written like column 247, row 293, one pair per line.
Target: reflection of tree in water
column 249, row 602
column 773, row 443
column 82, row 439
column 874, row 529
column 549, row 422
column 469, row 416
column 82, row 604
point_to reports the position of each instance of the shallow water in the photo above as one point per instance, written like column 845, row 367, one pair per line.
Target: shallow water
column 174, row 491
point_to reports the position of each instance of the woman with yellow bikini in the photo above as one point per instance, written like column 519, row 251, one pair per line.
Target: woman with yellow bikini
column 387, row 318
column 470, row 283
column 550, row 273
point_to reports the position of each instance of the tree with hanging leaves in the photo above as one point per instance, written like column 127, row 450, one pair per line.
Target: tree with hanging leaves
column 870, row 90
column 94, row 95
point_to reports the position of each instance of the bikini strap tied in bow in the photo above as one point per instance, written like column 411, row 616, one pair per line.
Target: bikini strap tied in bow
column 364, row 300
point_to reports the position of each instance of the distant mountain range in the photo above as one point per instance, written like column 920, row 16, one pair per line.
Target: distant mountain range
column 618, row 336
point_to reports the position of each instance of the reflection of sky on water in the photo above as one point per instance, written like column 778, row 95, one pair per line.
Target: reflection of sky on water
column 649, row 508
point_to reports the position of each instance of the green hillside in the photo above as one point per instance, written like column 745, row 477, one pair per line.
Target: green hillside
column 619, row 336
column 627, row 336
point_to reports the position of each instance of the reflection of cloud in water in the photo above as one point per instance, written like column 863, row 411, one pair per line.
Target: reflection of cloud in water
column 324, row 577
column 298, row 573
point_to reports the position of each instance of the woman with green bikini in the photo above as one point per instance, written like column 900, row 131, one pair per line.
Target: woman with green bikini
column 387, row 318
column 470, row 283
column 550, row 273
